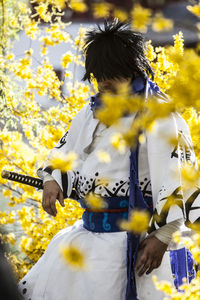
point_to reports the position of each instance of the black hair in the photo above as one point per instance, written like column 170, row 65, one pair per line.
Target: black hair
column 115, row 51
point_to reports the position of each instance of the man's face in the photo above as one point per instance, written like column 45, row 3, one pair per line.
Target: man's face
column 111, row 85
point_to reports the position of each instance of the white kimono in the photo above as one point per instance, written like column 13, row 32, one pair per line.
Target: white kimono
column 50, row 278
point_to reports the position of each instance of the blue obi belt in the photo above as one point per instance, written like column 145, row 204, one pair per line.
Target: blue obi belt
column 105, row 220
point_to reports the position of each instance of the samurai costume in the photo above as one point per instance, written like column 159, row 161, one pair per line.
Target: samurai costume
column 139, row 178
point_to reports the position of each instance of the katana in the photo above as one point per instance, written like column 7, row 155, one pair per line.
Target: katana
column 28, row 180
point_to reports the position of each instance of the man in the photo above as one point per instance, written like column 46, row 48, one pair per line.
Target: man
column 113, row 54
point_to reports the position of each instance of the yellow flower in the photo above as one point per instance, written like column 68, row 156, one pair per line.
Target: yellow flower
column 23, row 8
column 195, row 9
column 190, row 176
column 161, row 24
column 138, row 222
column 120, row 14
column 47, row 41
column 10, row 56
column 59, row 3
column 78, row 5
column 44, row 50
column 164, row 286
column 73, row 257
column 95, row 201
column 103, row 156
column 66, row 59
column 102, row 9
column 6, row 193
column 10, row 238
column 118, row 142
column 149, row 51
column 31, row 28
column 177, row 237
column 142, row 138
column 140, row 17
column 179, row 43
column 64, row 162
column 14, row 22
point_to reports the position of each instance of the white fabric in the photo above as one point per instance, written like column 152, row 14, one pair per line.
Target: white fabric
column 159, row 162
column 48, row 177
column 164, row 233
column 52, row 279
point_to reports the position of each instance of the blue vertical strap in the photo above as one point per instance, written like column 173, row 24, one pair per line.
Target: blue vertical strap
column 182, row 266
column 136, row 201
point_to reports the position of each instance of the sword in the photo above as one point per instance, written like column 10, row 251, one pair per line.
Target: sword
column 28, row 180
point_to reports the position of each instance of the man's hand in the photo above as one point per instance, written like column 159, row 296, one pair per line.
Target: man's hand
column 152, row 253
column 51, row 192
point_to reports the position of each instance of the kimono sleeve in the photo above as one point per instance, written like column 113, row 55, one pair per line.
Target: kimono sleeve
column 170, row 200
column 67, row 143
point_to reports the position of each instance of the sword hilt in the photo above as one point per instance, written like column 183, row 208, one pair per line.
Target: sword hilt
column 28, row 180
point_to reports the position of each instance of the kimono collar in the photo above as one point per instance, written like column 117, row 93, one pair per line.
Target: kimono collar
column 139, row 86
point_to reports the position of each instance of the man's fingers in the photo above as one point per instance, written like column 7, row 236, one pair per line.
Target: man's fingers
column 61, row 198
column 52, row 205
column 141, row 261
column 46, row 206
column 145, row 267
column 154, row 265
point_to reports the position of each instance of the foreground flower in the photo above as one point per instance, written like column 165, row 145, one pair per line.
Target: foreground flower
column 138, row 222
column 118, row 142
column 190, row 176
column 103, row 156
column 95, row 201
column 73, row 257
column 64, row 162
column 194, row 9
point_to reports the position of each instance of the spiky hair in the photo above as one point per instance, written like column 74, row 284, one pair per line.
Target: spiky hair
column 115, row 51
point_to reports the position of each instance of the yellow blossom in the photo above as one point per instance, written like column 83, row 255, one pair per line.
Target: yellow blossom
column 118, row 142
column 23, row 8
column 178, row 43
column 10, row 56
column 7, row 193
column 73, row 257
column 120, row 14
column 103, row 156
column 66, row 59
column 177, row 237
column 61, row 4
column 31, row 28
column 140, row 17
column 64, row 162
column 44, row 50
column 190, row 176
column 138, row 222
column 195, row 9
column 78, row 5
column 101, row 9
column 95, row 201
column 160, row 23
column 42, row 11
